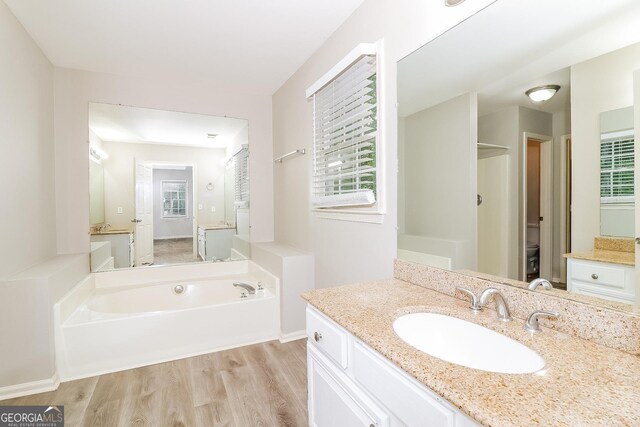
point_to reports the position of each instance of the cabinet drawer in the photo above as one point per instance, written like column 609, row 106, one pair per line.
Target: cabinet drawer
column 612, row 294
column 327, row 336
column 412, row 405
column 598, row 273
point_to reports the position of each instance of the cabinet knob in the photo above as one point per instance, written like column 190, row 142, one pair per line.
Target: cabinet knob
column 317, row 336
column 594, row 276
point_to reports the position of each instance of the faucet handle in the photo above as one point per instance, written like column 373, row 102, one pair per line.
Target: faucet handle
column 474, row 299
column 532, row 324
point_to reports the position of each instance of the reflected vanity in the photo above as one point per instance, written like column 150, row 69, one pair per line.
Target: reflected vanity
column 497, row 185
column 166, row 187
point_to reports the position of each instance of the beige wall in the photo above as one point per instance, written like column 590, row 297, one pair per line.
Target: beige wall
column 349, row 251
column 26, row 150
column 75, row 89
column 601, row 84
column 440, row 164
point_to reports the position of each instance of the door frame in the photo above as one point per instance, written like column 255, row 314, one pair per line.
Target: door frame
column 545, row 254
column 565, row 203
column 194, row 195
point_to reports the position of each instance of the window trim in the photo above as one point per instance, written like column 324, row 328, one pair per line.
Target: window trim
column 369, row 214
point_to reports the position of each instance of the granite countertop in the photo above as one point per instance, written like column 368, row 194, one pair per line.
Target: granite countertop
column 583, row 383
column 600, row 255
column 101, row 233
column 216, row 227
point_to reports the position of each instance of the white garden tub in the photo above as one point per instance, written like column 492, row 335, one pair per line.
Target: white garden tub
column 102, row 326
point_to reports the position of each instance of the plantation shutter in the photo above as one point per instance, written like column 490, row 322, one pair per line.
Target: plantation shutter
column 241, row 170
column 345, row 137
column 617, row 167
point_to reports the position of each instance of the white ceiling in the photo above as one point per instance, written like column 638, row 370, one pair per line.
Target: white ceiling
column 255, row 44
column 511, row 44
column 121, row 123
column 500, row 95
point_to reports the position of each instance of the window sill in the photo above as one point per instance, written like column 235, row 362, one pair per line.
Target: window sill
column 371, row 217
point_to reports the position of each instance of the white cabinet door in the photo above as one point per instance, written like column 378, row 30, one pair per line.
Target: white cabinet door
column 332, row 402
column 202, row 245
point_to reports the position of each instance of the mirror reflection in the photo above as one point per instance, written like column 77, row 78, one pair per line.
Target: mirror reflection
column 166, row 187
column 523, row 169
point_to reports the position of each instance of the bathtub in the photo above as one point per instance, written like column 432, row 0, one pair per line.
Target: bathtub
column 124, row 319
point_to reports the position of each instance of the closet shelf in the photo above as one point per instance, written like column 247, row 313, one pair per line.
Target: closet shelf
column 490, row 150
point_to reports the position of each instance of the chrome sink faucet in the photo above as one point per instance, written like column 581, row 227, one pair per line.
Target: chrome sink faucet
column 502, row 308
column 246, row 287
column 533, row 285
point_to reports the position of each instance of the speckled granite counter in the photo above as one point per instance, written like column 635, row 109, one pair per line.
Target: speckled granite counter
column 614, row 250
column 583, row 383
column 614, row 257
column 102, row 233
column 216, row 227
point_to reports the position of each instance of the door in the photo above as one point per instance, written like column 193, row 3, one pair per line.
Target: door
column 144, row 214
column 537, row 229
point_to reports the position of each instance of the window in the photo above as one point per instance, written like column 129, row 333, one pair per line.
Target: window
column 241, row 167
column 174, row 199
column 346, row 133
column 617, row 167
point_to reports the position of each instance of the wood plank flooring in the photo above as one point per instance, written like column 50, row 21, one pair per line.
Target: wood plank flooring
column 259, row 385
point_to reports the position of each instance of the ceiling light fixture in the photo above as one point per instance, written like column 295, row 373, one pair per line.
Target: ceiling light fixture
column 540, row 94
column 451, row 3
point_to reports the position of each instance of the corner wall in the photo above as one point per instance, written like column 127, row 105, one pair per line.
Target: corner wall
column 26, row 150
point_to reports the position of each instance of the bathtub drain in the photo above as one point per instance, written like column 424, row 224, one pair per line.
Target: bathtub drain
column 178, row 289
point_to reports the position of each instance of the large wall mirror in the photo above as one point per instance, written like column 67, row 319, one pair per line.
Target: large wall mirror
column 166, row 187
column 494, row 182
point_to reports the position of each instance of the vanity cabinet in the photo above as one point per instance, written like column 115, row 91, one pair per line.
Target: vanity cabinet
column 614, row 282
column 215, row 243
column 122, row 247
column 351, row 384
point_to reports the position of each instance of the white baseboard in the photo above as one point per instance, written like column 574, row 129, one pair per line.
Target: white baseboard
column 292, row 336
column 24, row 389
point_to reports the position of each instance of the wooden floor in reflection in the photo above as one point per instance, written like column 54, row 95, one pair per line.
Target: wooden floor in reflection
column 173, row 251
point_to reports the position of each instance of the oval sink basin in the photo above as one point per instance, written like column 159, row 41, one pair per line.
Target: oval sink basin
column 467, row 344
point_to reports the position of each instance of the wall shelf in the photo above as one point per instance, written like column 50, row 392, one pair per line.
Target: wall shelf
column 491, row 150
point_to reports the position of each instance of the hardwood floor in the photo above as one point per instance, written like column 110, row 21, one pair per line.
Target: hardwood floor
column 259, row 385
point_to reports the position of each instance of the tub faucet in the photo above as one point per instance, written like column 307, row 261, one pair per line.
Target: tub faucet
column 502, row 308
column 533, row 285
column 246, row 287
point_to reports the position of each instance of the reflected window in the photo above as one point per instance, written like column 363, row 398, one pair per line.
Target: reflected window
column 174, row 199
column 617, row 168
